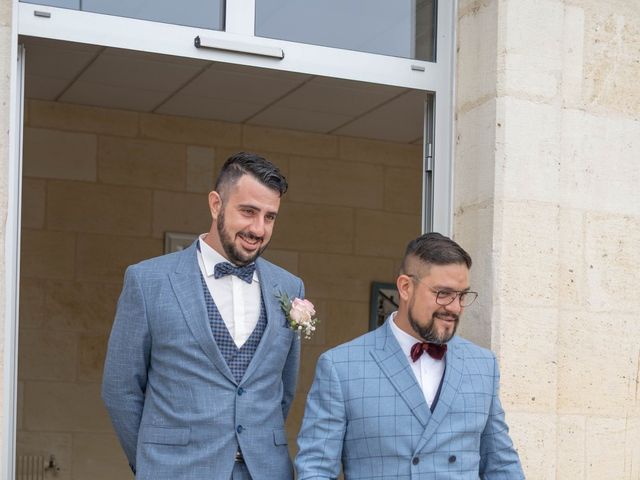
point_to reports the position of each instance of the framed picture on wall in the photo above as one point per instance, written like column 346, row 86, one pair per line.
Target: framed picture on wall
column 384, row 300
column 174, row 241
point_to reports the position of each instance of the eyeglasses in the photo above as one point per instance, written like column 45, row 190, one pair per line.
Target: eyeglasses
column 447, row 297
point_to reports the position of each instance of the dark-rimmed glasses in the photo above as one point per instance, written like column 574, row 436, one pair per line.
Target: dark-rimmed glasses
column 447, row 297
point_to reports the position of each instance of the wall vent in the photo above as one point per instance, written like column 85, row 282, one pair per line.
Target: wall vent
column 30, row 467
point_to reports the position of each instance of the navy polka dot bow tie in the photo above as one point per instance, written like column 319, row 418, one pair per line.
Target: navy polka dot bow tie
column 435, row 350
column 243, row 273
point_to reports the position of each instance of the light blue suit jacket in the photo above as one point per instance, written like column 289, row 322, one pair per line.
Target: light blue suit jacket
column 366, row 412
column 177, row 410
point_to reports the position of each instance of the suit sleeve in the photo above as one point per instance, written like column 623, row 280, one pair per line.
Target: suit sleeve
column 125, row 372
column 291, row 368
column 498, row 458
column 323, row 428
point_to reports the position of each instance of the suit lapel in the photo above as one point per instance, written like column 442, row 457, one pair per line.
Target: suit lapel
column 187, row 285
column 270, row 291
column 393, row 363
column 450, row 385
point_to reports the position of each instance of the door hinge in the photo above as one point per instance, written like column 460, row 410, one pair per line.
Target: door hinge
column 428, row 160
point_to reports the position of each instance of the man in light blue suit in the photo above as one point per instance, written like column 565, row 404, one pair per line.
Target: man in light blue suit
column 202, row 366
column 410, row 400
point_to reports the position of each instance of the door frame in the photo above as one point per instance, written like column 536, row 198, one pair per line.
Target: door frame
column 435, row 78
column 12, row 253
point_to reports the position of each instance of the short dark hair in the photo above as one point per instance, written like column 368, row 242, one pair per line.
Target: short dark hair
column 244, row 163
column 435, row 249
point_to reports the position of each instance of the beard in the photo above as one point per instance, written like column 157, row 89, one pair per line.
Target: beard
column 429, row 333
column 233, row 253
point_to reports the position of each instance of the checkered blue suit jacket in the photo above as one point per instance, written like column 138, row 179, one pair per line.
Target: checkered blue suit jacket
column 366, row 412
column 173, row 401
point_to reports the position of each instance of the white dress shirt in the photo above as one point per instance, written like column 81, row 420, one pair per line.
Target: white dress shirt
column 427, row 370
column 238, row 301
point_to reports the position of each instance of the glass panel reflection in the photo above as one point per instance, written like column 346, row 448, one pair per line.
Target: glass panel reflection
column 399, row 28
column 193, row 13
column 72, row 4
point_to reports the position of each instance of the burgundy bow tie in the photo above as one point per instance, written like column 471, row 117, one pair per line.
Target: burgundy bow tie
column 435, row 350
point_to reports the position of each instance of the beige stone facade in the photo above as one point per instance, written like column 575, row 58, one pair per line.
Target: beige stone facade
column 101, row 187
column 547, row 198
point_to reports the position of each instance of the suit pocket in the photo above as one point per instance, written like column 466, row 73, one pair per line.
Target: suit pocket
column 286, row 332
column 280, row 436
column 165, row 435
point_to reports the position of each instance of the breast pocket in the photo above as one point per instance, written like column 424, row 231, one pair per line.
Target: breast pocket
column 286, row 333
column 279, row 348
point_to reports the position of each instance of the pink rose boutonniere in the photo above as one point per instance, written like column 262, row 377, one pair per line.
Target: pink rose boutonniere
column 300, row 313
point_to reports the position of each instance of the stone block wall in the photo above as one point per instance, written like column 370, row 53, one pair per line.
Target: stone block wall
column 546, row 195
column 102, row 186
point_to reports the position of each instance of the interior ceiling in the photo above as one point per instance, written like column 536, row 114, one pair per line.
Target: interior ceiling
column 125, row 79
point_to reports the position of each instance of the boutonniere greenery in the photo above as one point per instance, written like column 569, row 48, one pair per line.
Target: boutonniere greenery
column 300, row 313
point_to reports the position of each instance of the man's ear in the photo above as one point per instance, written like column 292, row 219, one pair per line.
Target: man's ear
column 404, row 284
column 215, row 204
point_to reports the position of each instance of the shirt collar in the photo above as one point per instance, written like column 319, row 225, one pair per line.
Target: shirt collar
column 211, row 257
column 405, row 340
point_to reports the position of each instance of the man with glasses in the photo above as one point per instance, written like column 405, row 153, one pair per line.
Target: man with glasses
column 410, row 400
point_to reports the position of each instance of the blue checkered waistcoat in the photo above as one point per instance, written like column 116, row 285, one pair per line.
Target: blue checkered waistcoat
column 238, row 359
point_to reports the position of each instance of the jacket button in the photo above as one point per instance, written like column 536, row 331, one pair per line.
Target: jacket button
column 239, row 429
column 415, row 460
column 240, row 391
column 452, row 459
